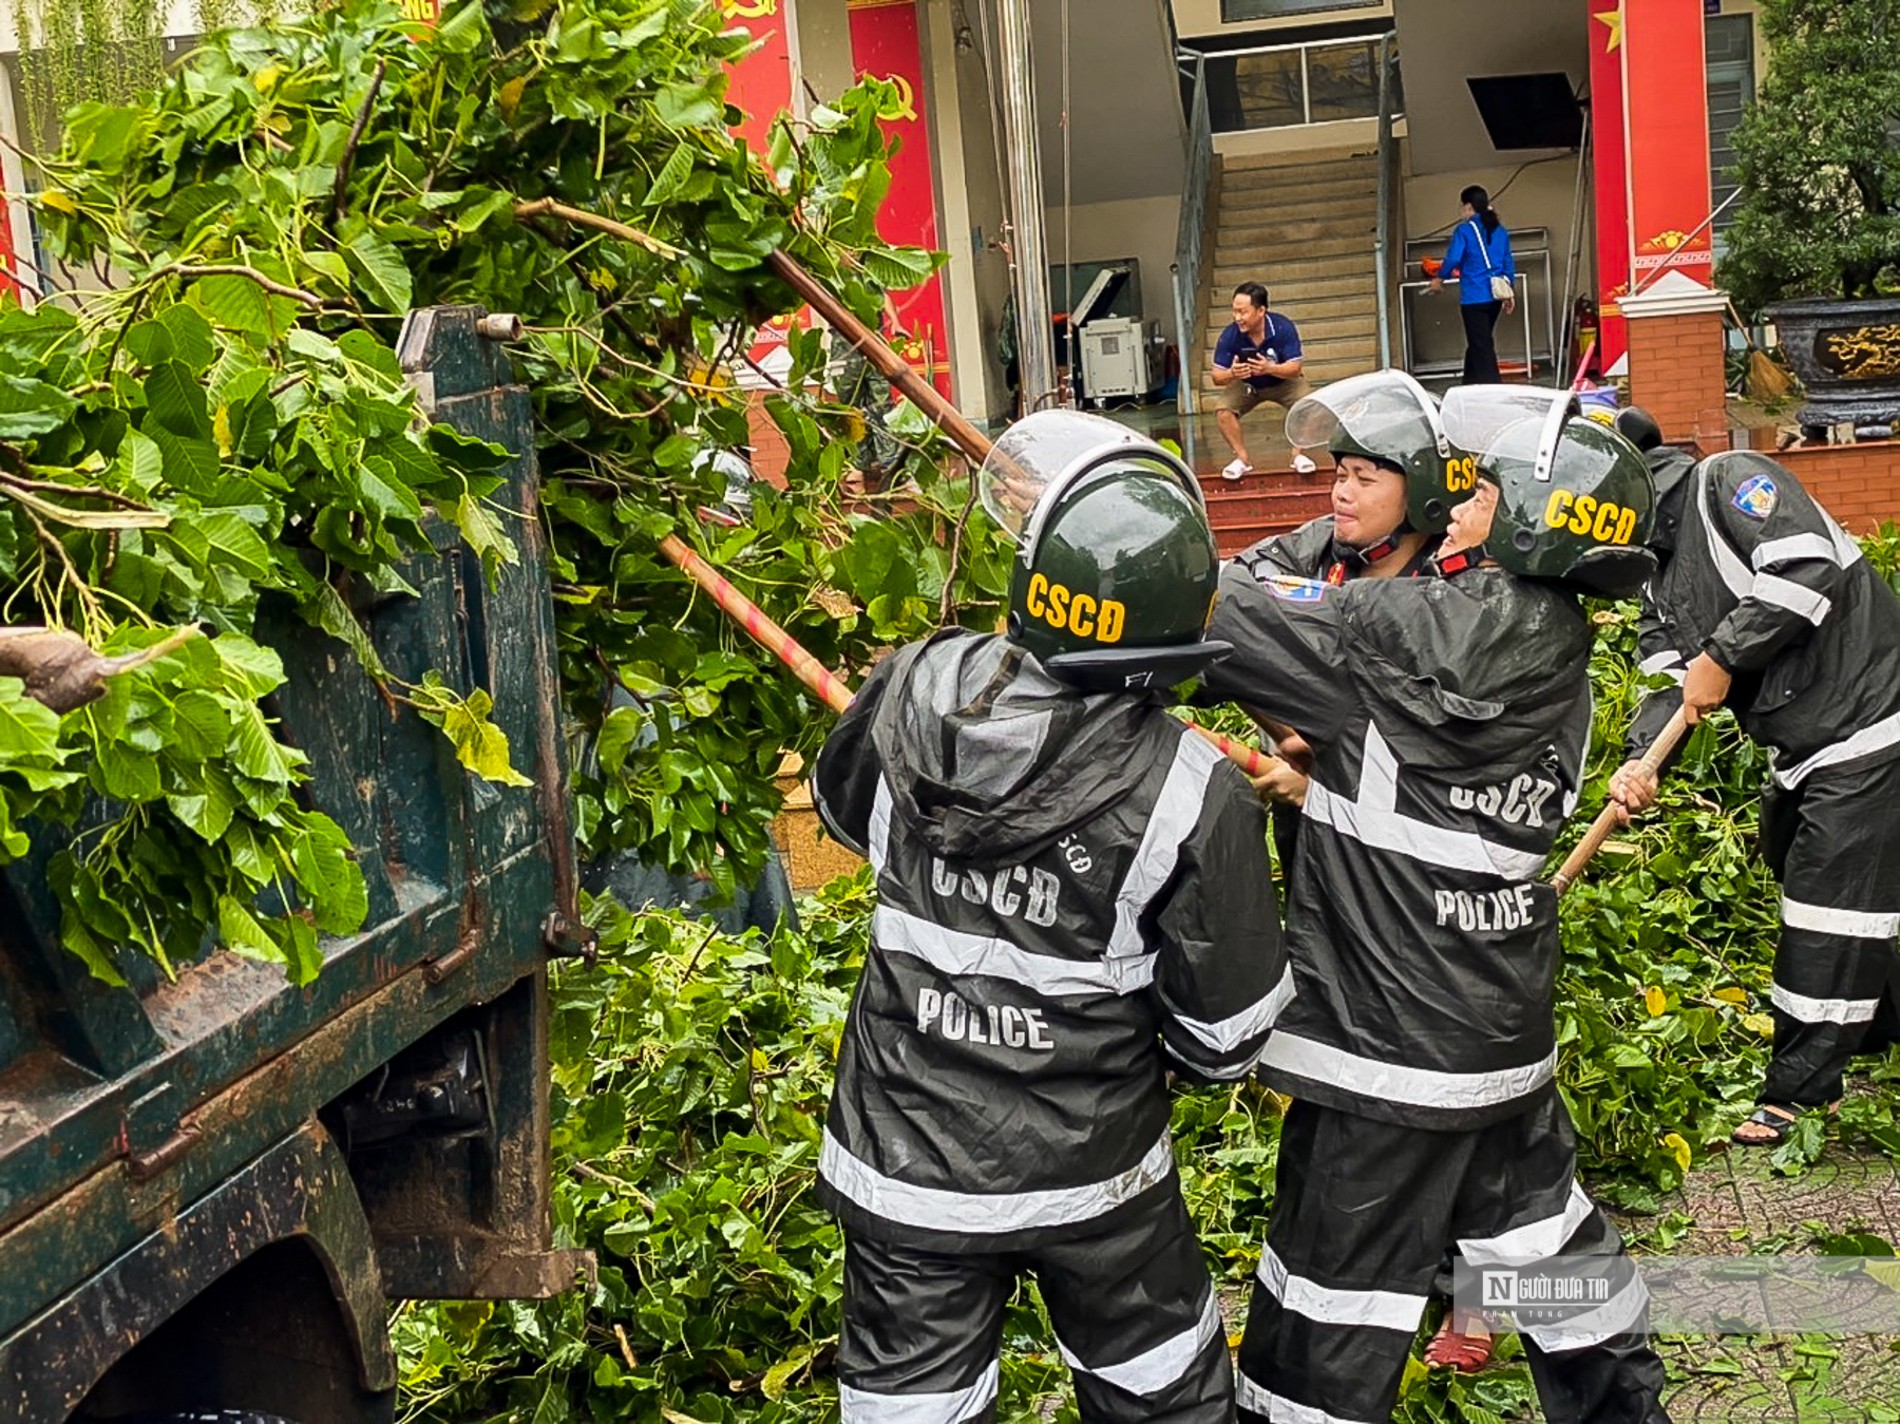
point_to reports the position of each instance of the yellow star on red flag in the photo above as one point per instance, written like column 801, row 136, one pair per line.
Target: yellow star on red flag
column 1613, row 20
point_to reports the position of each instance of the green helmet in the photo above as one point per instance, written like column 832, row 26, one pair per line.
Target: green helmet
column 1389, row 417
column 1116, row 569
column 1576, row 503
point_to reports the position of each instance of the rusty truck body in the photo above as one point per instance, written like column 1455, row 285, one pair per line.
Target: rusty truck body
column 211, row 1187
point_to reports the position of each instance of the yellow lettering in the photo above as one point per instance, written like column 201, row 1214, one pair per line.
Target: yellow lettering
column 1108, row 629
column 1626, row 526
column 1082, row 616
column 1581, row 513
column 1058, row 615
column 1461, row 474
column 1558, row 510
column 1038, row 590
column 1604, row 529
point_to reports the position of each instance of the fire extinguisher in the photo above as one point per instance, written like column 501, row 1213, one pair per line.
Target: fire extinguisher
column 1583, row 327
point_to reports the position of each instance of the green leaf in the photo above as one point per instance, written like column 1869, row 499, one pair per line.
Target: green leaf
column 672, row 176
column 380, row 266
column 331, row 881
column 485, row 534
column 176, row 400
column 239, row 304
column 193, row 344
column 242, row 934
column 207, row 811
column 386, row 494
column 479, row 744
column 328, row 611
column 30, row 407
column 686, row 106
column 255, row 752
column 200, row 725
column 249, row 669
column 149, row 342
column 28, row 728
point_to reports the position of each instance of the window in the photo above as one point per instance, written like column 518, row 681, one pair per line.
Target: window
column 1729, row 42
column 1233, row 10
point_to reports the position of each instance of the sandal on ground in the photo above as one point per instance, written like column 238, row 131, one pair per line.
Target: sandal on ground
column 1462, row 1344
column 1779, row 1120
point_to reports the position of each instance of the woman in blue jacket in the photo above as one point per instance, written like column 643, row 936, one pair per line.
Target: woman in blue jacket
column 1480, row 253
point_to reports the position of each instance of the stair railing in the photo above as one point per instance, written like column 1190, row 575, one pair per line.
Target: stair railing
column 1191, row 240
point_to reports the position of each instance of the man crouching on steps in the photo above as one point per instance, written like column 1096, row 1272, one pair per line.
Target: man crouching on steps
column 1074, row 900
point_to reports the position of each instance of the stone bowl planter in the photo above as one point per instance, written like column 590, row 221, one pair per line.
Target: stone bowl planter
column 1847, row 355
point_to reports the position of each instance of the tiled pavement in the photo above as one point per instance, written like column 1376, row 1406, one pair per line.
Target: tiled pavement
column 1734, row 1205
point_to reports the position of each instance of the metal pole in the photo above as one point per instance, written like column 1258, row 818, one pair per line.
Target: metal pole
column 1021, row 149
column 1381, row 245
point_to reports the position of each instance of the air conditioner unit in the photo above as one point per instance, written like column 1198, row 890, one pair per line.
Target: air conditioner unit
column 1114, row 359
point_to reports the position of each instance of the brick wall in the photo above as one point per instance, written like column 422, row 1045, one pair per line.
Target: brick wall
column 770, row 452
column 1858, row 484
column 1676, row 375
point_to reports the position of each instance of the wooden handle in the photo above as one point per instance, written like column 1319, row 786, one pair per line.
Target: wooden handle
column 1607, row 819
column 879, row 352
column 967, row 438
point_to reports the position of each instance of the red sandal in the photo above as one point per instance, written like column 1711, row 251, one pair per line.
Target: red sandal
column 1462, row 1344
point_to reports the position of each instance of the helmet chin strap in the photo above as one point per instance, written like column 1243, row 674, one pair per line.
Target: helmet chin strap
column 1451, row 565
column 1348, row 560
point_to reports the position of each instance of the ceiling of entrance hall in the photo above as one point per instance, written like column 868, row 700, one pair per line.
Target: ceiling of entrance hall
column 1442, row 43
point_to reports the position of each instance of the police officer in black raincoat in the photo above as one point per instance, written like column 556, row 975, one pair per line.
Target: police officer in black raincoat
column 1379, row 527
column 1449, row 719
column 1074, row 900
column 1764, row 604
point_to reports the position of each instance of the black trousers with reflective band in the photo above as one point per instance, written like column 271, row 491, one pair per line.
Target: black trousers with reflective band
column 1481, row 342
column 1133, row 1310
column 1362, row 1216
column 1834, row 843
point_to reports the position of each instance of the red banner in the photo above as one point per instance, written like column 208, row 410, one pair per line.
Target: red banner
column 885, row 45
column 1612, row 180
column 1652, row 151
column 1667, row 119
column 761, row 83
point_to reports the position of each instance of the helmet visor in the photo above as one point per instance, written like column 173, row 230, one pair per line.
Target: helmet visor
column 1037, row 451
column 1494, row 422
column 1385, row 411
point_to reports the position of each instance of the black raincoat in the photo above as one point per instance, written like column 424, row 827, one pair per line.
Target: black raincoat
column 1073, row 899
column 1449, row 720
column 1759, row 576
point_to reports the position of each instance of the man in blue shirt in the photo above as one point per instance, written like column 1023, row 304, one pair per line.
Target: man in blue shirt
column 1257, row 358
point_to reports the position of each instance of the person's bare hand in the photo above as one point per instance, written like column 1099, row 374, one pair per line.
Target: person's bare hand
column 1437, row 286
column 1633, row 788
column 1294, row 750
column 1510, row 305
column 1704, row 688
column 1280, row 782
column 1471, row 520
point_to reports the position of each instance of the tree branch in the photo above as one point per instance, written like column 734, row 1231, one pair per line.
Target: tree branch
column 233, row 269
column 583, row 218
column 344, row 163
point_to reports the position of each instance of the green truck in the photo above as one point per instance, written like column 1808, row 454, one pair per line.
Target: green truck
column 211, row 1188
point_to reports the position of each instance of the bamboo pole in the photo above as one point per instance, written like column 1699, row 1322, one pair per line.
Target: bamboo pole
column 825, row 684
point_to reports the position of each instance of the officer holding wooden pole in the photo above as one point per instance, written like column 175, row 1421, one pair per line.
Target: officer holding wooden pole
column 1765, row 605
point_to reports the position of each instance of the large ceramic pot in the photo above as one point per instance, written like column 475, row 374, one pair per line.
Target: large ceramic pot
column 1847, row 354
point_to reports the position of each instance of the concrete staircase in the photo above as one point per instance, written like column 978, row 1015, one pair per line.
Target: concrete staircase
column 1246, row 511
column 1304, row 225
